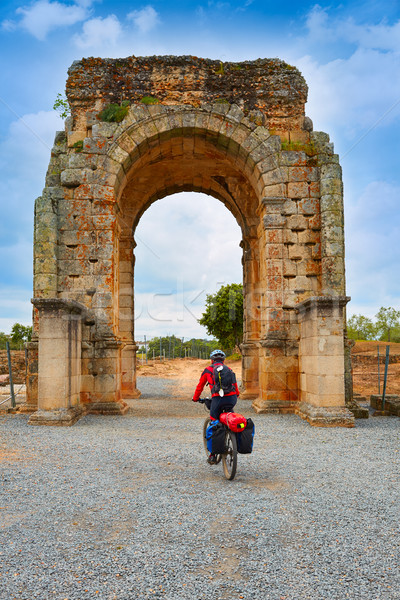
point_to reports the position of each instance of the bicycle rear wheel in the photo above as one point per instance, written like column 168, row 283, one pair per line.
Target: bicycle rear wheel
column 229, row 458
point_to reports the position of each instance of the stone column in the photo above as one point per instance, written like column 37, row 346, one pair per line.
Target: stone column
column 321, row 361
column 59, row 379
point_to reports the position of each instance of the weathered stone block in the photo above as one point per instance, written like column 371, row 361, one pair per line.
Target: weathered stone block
column 73, row 177
column 303, row 174
column 75, row 136
column 103, row 129
column 331, row 187
column 289, row 208
column 314, row 222
column 274, row 221
column 309, row 236
column 297, row 223
column 308, row 206
column 298, row 189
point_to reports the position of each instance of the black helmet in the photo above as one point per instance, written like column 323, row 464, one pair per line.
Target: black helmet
column 217, row 355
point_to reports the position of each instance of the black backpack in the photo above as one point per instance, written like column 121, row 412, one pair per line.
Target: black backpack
column 224, row 380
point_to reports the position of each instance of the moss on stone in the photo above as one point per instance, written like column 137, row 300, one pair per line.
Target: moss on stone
column 309, row 148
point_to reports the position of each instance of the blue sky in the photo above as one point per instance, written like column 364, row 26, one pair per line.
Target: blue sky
column 349, row 54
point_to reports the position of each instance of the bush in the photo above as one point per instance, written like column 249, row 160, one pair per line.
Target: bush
column 114, row 113
column 149, row 100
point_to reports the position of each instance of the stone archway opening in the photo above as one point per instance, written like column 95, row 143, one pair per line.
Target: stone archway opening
column 196, row 250
column 238, row 133
column 186, row 162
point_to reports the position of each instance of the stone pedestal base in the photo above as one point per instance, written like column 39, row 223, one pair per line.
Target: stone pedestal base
column 61, row 417
column 27, row 409
column 323, row 416
column 273, row 406
column 130, row 392
column 359, row 412
column 108, row 408
column 248, row 395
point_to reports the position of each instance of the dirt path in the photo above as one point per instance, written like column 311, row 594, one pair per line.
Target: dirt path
column 167, row 388
column 182, row 369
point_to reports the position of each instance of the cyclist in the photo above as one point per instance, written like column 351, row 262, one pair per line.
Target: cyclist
column 227, row 401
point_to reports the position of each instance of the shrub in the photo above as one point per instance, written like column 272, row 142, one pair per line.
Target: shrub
column 78, row 146
column 114, row 113
column 149, row 100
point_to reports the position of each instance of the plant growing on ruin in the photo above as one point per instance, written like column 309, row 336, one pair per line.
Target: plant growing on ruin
column 114, row 113
column 149, row 100
column 61, row 106
column 78, row 146
column 220, row 70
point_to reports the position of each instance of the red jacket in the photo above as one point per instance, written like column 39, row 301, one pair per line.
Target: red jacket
column 207, row 377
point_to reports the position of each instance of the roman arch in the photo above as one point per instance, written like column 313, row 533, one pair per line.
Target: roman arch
column 238, row 132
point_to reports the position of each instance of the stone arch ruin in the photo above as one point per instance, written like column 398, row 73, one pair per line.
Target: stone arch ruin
column 238, row 132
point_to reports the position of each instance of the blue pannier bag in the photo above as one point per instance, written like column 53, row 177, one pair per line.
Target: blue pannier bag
column 245, row 438
column 215, row 435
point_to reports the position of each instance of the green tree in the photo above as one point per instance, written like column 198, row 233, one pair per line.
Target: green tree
column 387, row 322
column 61, row 106
column 4, row 338
column 174, row 347
column 20, row 333
column 361, row 328
column 223, row 316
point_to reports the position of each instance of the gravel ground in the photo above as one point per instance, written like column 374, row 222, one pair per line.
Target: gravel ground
column 127, row 508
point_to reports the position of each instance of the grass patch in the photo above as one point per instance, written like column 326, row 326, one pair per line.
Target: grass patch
column 114, row 113
column 149, row 100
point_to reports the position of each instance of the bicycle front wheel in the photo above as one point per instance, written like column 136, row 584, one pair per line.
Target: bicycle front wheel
column 229, row 458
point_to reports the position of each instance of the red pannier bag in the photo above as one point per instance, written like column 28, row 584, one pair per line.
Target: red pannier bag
column 234, row 421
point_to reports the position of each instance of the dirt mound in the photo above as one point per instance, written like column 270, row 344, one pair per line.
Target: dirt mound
column 363, row 347
column 367, row 377
column 17, row 365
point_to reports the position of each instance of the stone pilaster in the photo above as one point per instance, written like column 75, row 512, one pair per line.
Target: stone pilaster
column 107, row 397
column 321, row 360
column 59, row 361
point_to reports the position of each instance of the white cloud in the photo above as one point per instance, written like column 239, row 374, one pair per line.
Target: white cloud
column 99, row 32
column 8, row 25
column 322, row 27
column 24, row 157
column 194, row 252
column 353, row 93
column 373, row 252
column 356, row 91
column 145, row 19
column 43, row 16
